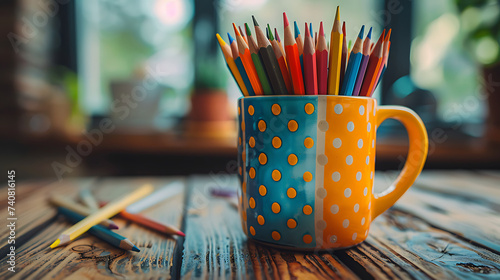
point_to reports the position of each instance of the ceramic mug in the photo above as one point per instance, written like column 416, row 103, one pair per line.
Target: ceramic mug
column 306, row 166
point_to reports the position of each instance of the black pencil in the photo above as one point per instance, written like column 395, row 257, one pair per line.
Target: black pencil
column 270, row 61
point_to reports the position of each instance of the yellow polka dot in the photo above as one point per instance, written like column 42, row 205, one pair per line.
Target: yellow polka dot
column 260, row 220
column 291, row 193
column 293, row 126
column 262, row 158
column 276, row 208
column 307, row 210
column 262, row 190
column 244, row 187
column 252, row 230
column 292, row 159
column 307, row 239
column 251, row 110
column 276, row 142
column 239, row 170
column 244, row 214
column 251, row 202
column 276, row 235
column 308, row 142
column 308, row 176
column 252, row 173
column 262, row 126
column 239, row 141
column 276, row 109
column 242, row 125
column 309, row 108
column 276, row 175
column 291, row 223
column 251, row 142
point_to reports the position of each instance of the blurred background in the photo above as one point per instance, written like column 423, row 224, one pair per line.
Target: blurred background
column 125, row 87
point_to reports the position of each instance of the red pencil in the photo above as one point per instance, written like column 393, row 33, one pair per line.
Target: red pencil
column 309, row 58
column 322, row 61
column 292, row 59
column 385, row 54
column 373, row 66
column 150, row 223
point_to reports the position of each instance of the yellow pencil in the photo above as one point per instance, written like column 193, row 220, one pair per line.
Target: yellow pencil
column 336, row 40
column 226, row 50
column 104, row 213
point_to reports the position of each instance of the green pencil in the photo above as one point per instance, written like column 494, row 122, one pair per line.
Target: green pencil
column 99, row 231
column 270, row 61
column 264, row 80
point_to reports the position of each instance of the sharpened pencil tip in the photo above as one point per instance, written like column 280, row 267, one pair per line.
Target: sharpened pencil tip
column 135, row 249
column 388, row 36
column 248, row 29
column 321, row 31
column 255, row 23
column 219, row 38
column 361, row 32
column 311, row 29
column 230, row 38
column 307, row 34
column 337, row 14
column 236, row 30
column 343, row 28
column 55, row 244
column 114, row 226
column 180, row 233
column 296, row 29
column 285, row 20
column 270, row 33
column 276, row 35
column 369, row 34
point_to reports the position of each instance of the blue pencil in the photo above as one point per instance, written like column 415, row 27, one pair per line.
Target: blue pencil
column 300, row 46
column 103, row 233
column 353, row 65
column 239, row 65
column 364, row 63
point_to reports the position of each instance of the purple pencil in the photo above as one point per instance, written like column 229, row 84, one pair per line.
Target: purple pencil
column 364, row 64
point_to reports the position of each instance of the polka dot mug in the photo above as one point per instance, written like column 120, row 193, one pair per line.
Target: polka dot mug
column 306, row 166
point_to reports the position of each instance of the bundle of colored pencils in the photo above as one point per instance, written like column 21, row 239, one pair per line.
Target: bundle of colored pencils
column 262, row 64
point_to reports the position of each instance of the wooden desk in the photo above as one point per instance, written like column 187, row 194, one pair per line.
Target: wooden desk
column 447, row 226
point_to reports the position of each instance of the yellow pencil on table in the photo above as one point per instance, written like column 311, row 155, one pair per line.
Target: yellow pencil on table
column 104, row 213
column 336, row 40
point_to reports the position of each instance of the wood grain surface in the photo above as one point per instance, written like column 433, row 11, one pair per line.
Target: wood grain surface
column 447, row 226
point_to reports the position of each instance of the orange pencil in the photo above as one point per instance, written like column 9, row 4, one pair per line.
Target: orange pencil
column 292, row 59
column 281, row 60
column 385, row 54
column 278, row 39
column 322, row 61
column 373, row 67
column 150, row 223
column 246, row 59
column 309, row 58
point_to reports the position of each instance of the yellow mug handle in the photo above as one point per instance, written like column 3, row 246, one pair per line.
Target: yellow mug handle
column 417, row 153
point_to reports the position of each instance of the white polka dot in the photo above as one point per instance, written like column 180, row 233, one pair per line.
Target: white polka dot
column 367, row 160
column 321, row 225
column 366, row 232
column 348, row 160
column 345, row 224
column 323, row 125
column 360, row 143
column 338, row 109
column 350, row 126
column 336, row 176
column 334, row 209
column 337, row 143
column 354, row 235
column 321, row 193
column 373, row 143
column 374, row 112
column 322, row 159
column 333, row 238
column 369, row 205
column 363, row 221
column 358, row 176
column 347, row 192
column 356, row 208
column 368, row 127
column 371, row 175
column 365, row 191
column 361, row 110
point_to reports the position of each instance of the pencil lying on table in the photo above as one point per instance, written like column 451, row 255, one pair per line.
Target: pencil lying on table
column 65, row 202
column 101, row 232
column 151, row 223
column 104, row 213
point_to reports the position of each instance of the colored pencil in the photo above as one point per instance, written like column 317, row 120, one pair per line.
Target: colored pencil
column 298, row 38
column 239, row 65
column 278, row 39
column 269, row 61
column 257, row 62
column 364, row 63
column 101, row 232
column 226, row 51
column 322, row 61
column 243, row 34
column 353, row 65
column 310, row 74
column 150, row 223
column 65, row 202
column 246, row 59
column 293, row 59
column 336, row 39
column 168, row 191
column 281, row 61
column 372, row 69
column 103, row 213
column 88, row 200
column 385, row 64
column 310, row 30
column 385, row 54
column 315, row 40
column 345, row 54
